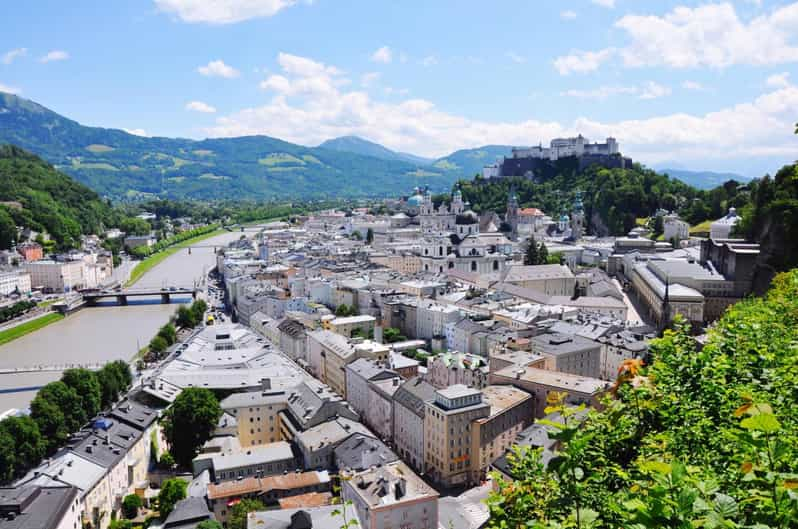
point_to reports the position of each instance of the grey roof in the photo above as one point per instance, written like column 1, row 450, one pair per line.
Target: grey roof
column 278, row 451
column 324, row 517
column 135, row 413
column 360, row 452
column 105, row 447
column 328, row 433
column 187, row 514
column 292, row 328
column 370, row 370
column 557, row 344
column 33, row 507
column 311, row 403
column 413, row 394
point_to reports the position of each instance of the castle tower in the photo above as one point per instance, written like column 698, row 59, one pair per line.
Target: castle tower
column 578, row 218
column 512, row 214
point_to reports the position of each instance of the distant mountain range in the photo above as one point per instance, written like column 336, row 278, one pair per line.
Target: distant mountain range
column 121, row 165
column 703, row 179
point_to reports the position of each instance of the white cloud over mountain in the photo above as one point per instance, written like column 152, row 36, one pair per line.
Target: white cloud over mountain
column 310, row 103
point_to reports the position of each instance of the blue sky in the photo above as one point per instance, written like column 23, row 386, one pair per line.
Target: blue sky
column 698, row 84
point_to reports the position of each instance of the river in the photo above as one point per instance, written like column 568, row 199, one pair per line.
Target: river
column 106, row 332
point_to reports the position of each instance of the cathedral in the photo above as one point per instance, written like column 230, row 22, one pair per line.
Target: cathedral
column 451, row 239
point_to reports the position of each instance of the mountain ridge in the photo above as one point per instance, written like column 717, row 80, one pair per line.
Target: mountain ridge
column 358, row 145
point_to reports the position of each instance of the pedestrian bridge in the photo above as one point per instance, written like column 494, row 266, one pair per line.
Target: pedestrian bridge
column 91, row 297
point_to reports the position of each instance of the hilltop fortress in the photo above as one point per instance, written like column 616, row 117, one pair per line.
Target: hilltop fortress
column 525, row 161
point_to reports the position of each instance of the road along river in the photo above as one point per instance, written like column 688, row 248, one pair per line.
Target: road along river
column 105, row 332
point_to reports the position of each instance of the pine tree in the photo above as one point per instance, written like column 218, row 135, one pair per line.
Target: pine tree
column 543, row 254
column 531, row 257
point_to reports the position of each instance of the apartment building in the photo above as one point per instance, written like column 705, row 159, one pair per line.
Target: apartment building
column 409, row 410
column 448, row 433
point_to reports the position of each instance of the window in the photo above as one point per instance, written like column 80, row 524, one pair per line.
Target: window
column 495, row 265
column 473, row 266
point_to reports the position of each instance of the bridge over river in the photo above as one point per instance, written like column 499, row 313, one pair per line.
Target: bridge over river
column 122, row 295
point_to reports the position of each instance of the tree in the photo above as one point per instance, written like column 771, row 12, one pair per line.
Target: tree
column 658, row 226
column 86, row 385
column 8, row 229
column 168, row 333
column 131, row 505
column 543, row 254
column 8, row 456
column 185, row 318
column 391, row 335
column 190, row 421
column 239, row 512
column 369, row 236
column 27, row 445
column 172, row 491
column 198, row 309
column 120, row 524
column 555, row 258
column 531, row 256
column 158, row 344
column 58, row 411
column 135, row 226
column 114, row 378
column 344, row 310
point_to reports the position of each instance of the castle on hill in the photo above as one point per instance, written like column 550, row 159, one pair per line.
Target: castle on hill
column 524, row 161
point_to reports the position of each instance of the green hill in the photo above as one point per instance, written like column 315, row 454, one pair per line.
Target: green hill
column 119, row 164
column 469, row 162
column 357, row 145
column 35, row 195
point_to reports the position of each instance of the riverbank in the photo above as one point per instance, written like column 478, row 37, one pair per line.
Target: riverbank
column 29, row 327
column 154, row 260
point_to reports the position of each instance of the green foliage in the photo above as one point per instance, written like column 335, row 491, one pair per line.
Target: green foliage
column 392, row 335
column 114, row 378
column 51, row 201
column 209, row 524
column 537, row 254
column 10, row 312
column 167, row 461
column 120, row 524
column 58, row 411
column 87, row 387
column 369, row 236
column 26, row 449
column 172, row 491
column 190, row 421
column 131, row 505
column 238, row 514
column 344, row 310
column 168, row 333
column 702, row 438
column 613, row 198
column 772, row 217
column 189, row 316
column 158, row 345
column 8, row 229
column 135, row 226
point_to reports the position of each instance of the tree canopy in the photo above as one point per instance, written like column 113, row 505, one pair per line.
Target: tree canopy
column 190, row 421
column 172, row 491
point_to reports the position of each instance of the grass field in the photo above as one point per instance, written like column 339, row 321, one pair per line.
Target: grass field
column 29, row 327
column 154, row 260
column 701, row 228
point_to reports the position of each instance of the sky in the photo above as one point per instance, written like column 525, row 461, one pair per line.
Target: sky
column 683, row 84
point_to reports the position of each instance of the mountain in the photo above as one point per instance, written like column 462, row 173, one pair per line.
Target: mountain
column 33, row 194
column 469, row 162
column 121, row 165
column 358, row 145
column 703, row 179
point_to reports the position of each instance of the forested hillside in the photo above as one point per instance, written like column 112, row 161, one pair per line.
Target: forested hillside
column 703, row 437
column 39, row 197
column 613, row 198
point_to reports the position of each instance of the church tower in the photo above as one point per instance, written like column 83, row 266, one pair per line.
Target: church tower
column 578, row 218
column 457, row 201
column 512, row 214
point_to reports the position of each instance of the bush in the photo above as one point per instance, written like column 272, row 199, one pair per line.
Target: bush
column 130, row 506
column 172, row 491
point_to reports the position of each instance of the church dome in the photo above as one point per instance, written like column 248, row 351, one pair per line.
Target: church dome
column 467, row 217
column 415, row 200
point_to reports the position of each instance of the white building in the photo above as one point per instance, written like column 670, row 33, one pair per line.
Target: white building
column 14, row 281
column 722, row 228
column 56, row 276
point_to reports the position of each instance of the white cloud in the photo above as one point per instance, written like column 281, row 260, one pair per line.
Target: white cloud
column 779, row 80
column 568, row 14
column 648, row 90
column 222, row 11
column 652, row 90
column 55, row 55
column 516, row 58
column 312, row 105
column 582, row 61
column 369, row 78
column 601, row 93
column 711, row 35
column 610, row 4
column 10, row 56
column 383, row 55
column 218, row 68
column 9, row 89
column 389, row 90
column 693, row 85
column 199, row 106
column 429, row 60
column 136, row 132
